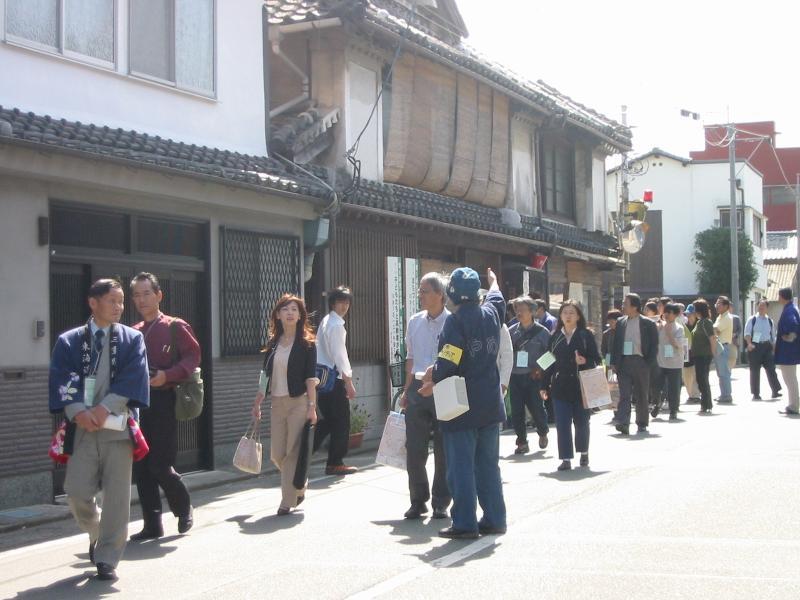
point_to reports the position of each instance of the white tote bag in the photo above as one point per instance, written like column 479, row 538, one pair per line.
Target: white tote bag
column 392, row 451
column 450, row 398
column 248, row 453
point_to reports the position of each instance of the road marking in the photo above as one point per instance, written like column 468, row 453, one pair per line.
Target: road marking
column 443, row 562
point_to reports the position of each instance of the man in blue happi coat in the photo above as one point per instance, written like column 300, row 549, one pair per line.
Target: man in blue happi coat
column 99, row 377
column 468, row 347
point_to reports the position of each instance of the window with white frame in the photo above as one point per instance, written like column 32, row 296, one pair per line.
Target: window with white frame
column 758, row 232
column 81, row 29
column 172, row 42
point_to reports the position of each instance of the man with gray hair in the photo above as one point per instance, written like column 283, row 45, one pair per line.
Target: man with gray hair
column 422, row 346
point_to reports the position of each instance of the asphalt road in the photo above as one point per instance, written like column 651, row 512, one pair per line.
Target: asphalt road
column 703, row 508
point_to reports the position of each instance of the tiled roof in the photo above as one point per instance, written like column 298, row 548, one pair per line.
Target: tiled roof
column 412, row 202
column 388, row 16
column 153, row 151
column 302, row 135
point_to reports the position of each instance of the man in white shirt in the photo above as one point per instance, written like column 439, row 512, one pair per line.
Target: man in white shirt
column 760, row 336
column 334, row 406
column 422, row 347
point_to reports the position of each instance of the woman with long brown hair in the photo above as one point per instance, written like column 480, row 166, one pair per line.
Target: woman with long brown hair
column 575, row 349
column 289, row 365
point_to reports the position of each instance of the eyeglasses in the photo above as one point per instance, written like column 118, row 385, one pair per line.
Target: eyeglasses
column 424, row 291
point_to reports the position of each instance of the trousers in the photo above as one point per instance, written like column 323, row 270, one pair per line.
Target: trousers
column 525, row 394
column 724, row 372
column 570, row 412
column 96, row 465
column 473, row 476
column 287, row 418
column 789, row 374
column 634, row 389
column 702, row 366
column 421, row 426
column 334, row 408
column 157, row 469
column 762, row 356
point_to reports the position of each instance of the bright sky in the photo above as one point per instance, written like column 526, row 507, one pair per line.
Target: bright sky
column 707, row 56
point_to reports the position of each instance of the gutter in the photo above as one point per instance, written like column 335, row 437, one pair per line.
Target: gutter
column 131, row 163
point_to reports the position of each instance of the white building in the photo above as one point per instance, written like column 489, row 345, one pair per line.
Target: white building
column 132, row 137
column 690, row 197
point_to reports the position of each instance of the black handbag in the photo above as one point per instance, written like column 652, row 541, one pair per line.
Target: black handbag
column 189, row 394
column 304, row 458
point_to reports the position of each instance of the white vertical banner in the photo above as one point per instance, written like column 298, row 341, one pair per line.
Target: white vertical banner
column 411, row 285
column 394, row 306
column 526, row 282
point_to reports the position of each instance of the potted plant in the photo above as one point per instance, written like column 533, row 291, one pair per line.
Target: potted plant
column 359, row 418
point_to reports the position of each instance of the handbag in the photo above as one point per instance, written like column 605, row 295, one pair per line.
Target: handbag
column 62, row 443
column 140, row 445
column 304, row 458
column 189, row 393
column 392, row 450
column 248, row 453
column 327, row 378
column 595, row 392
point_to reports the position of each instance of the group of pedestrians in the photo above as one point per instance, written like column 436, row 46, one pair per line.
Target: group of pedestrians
column 107, row 378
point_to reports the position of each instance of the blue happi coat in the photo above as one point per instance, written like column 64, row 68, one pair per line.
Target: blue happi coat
column 131, row 378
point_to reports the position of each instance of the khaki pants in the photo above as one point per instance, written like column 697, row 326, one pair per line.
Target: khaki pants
column 789, row 374
column 733, row 356
column 690, row 382
column 106, row 465
column 286, row 425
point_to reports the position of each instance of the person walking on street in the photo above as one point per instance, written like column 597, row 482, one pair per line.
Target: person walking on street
column 98, row 379
column 704, row 348
column 633, row 355
column 689, row 376
column 607, row 340
column 723, row 329
column 530, row 340
column 334, row 406
column 290, row 365
column 574, row 349
column 736, row 340
column 671, row 341
column 468, row 347
column 787, row 348
column 173, row 354
column 760, row 336
column 422, row 346
column 543, row 317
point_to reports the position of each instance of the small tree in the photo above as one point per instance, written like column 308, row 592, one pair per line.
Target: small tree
column 712, row 253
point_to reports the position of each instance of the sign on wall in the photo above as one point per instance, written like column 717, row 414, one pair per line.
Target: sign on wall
column 402, row 280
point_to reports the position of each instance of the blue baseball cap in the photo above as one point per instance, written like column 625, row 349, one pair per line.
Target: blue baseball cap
column 464, row 285
column 689, row 309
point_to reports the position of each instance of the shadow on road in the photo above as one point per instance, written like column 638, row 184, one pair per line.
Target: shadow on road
column 148, row 549
column 268, row 524
column 413, row 531
column 538, row 455
column 573, row 475
column 434, row 555
column 85, row 585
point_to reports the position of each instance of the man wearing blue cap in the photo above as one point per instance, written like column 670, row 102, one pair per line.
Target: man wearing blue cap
column 468, row 347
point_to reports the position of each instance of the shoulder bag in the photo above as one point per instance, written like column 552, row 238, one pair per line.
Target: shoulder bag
column 188, row 393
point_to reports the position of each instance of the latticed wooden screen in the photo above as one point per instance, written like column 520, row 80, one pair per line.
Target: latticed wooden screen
column 257, row 269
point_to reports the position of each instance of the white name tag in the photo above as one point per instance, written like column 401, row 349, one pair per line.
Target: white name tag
column 546, row 360
column 669, row 351
column 522, row 359
column 627, row 348
column 263, row 382
column 89, row 385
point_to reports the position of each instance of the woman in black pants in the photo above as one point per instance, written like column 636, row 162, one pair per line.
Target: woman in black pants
column 574, row 349
column 703, row 346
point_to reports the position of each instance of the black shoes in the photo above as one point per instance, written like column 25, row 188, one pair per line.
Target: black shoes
column 522, row 448
column 543, row 441
column 106, row 572
column 565, row 465
column 623, row 429
column 186, row 521
column 789, row 411
column 655, row 410
column 416, row 511
column 440, row 513
column 756, row 398
column 484, row 529
column 283, row 511
column 584, row 459
column 148, row 533
column 641, row 429
column 458, row 534
column 673, row 416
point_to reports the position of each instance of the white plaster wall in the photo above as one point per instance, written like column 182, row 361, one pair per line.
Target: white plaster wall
column 522, row 185
column 49, row 84
column 24, row 274
column 600, row 199
column 363, row 83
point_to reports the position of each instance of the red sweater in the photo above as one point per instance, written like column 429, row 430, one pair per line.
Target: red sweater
column 157, row 339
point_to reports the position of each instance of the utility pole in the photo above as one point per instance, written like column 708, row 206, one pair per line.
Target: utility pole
column 623, row 210
column 734, row 222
